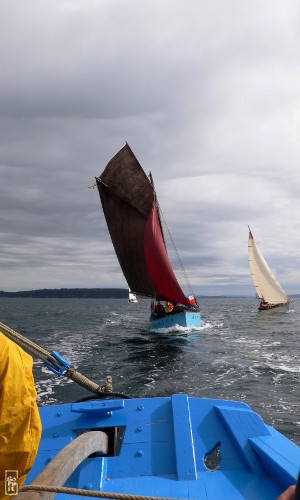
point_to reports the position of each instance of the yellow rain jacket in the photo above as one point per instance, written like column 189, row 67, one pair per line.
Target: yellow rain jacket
column 20, row 424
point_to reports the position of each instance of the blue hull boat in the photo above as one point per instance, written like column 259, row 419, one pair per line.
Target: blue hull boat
column 175, row 447
column 185, row 319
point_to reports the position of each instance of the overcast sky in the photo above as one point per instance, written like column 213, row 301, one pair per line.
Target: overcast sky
column 206, row 93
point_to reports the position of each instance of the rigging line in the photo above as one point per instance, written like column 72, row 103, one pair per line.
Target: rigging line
column 49, row 359
column 122, row 198
column 100, row 180
column 87, row 493
column 187, row 282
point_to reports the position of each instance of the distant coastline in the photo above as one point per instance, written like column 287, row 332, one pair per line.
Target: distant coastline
column 69, row 293
column 85, row 293
column 97, row 293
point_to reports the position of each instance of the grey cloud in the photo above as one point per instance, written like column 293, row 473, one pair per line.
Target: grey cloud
column 206, row 94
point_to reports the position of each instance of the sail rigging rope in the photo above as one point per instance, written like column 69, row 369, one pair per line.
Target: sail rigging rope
column 89, row 493
column 51, row 361
column 187, row 282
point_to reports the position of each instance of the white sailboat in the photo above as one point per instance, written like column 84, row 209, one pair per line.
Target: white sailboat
column 268, row 289
column 132, row 297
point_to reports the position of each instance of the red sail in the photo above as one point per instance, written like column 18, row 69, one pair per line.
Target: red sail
column 158, row 264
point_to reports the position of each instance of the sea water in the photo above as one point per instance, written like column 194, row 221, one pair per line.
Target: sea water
column 238, row 353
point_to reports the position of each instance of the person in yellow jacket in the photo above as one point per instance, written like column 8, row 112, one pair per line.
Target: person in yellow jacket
column 20, row 423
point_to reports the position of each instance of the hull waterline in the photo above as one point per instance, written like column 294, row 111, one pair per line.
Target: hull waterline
column 184, row 319
column 275, row 307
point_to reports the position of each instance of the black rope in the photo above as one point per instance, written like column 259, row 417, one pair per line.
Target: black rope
column 104, row 395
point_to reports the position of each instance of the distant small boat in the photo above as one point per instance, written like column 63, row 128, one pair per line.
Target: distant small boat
column 269, row 291
column 132, row 297
column 133, row 218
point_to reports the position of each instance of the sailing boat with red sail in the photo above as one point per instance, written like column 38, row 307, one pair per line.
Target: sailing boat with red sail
column 132, row 214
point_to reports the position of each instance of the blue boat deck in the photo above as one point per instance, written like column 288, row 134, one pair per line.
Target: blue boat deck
column 164, row 443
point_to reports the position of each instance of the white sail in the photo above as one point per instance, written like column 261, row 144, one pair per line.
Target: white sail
column 132, row 297
column 267, row 287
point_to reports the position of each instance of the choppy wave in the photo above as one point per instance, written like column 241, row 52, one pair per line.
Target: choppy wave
column 237, row 353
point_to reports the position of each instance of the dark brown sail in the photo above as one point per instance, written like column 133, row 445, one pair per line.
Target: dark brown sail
column 129, row 206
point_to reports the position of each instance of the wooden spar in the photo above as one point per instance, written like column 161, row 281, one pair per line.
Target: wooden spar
column 65, row 462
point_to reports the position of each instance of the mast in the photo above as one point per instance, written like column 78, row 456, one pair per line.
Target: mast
column 161, row 220
column 157, row 208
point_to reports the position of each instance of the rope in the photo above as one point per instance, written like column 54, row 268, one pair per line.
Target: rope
column 89, row 493
column 39, row 352
column 108, row 387
column 83, row 381
column 104, row 395
column 187, row 282
column 31, row 347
